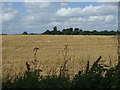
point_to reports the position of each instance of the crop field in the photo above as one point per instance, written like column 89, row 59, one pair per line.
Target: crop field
column 53, row 50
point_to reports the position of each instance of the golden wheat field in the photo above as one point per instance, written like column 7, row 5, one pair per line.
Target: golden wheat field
column 18, row 49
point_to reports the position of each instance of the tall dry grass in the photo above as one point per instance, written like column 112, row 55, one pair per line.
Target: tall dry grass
column 18, row 49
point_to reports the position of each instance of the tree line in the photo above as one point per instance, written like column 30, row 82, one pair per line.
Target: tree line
column 77, row 31
column 74, row 31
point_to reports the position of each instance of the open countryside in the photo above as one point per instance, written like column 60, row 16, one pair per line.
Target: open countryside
column 18, row 49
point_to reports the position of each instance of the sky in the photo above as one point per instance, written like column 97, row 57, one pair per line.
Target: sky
column 37, row 17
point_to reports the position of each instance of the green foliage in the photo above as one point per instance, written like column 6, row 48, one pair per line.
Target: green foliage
column 29, row 80
column 55, row 28
column 3, row 34
column 54, row 82
column 25, row 33
column 98, row 76
column 77, row 31
column 47, row 32
column 92, row 78
column 33, row 34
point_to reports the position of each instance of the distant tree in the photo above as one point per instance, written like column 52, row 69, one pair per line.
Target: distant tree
column 33, row 33
column 59, row 32
column 25, row 33
column 94, row 32
column 112, row 32
column 87, row 33
column 76, row 29
column 4, row 34
column 55, row 28
column 80, row 32
column 71, row 29
column 64, row 31
column 54, row 32
column 67, row 31
column 105, row 32
column 47, row 32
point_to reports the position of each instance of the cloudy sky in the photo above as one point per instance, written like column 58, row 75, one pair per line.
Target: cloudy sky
column 37, row 17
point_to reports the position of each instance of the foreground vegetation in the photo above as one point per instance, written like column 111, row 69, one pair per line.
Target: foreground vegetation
column 97, row 76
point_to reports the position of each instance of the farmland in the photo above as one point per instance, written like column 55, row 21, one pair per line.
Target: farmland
column 18, row 49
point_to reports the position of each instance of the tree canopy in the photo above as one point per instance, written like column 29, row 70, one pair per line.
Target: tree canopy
column 77, row 31
column 25, row 33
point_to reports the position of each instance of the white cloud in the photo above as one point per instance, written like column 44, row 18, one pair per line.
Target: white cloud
column 109, row 3
column 101, row 18
column 34, row 5
column 6, row 16
column 109, row 18
column 44, row 15
column 8, row 13
column 87, row 11
column 95, row 19
column 108, row 0
column 68, row 12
